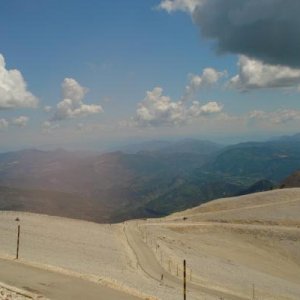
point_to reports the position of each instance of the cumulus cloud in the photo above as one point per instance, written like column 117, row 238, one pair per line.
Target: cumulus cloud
column 3, row 123
column 254, row 74
column 159, row 110
column 13, row 89
column 184, row 5
column 72, row 105
column 208, row 78
column 21, row 121
column 268, row 30
column 197, row 109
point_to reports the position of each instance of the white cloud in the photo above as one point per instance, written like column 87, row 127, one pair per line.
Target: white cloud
column 254, row 74
column 47, row 108
column 183, row 5
column 72, row 105
column 3, row 123
column 13, row 89
column 208, row 78
column 20, row 121
column 71, row 89
column 276, row 117
column 159, row 110
column 197, row 109
column 48, row 126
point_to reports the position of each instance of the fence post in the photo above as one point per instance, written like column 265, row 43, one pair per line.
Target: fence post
column 18, row 242
column 184, row 280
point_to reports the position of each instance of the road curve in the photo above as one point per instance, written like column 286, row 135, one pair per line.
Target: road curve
column 55, row 286
column 149, row 264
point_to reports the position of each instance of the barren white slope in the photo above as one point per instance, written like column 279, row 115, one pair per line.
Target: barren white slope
column 280, row 207
column 230, row 246
column 98, row 252
column 236, row 242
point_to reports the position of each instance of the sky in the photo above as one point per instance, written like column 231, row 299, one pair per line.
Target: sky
column 89, row 74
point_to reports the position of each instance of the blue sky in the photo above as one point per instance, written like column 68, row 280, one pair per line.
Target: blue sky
column 90, row 63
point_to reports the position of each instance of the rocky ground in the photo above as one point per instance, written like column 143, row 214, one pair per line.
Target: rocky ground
column 10, row 294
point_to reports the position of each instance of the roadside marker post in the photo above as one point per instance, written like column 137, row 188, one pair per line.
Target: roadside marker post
column 18, row 242
column 184, row 280
column 253, row 291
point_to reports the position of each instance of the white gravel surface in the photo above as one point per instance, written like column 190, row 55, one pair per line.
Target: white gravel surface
column 6, row 294
column 98, row 252
column 12, row 293
column 232, row 246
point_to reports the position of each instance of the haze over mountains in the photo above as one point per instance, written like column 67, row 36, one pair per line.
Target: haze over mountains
column 141, row 180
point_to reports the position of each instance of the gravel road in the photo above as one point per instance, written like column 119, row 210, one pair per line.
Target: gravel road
column 53, row 285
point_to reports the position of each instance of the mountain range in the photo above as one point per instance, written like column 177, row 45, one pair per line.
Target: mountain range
column 143, row 180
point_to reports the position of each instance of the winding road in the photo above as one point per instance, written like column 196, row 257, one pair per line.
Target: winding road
column 55, row 286
column 149, row 264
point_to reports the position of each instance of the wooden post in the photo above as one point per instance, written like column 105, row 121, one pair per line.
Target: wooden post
column 18, row 243
column 184, row 280
column 253, row 291
column 177, row 271
column 191, row 275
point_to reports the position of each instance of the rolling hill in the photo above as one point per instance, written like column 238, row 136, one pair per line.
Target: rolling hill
column 291, row 181
column 118, row 186
column 265, row 160
column 234, row 248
